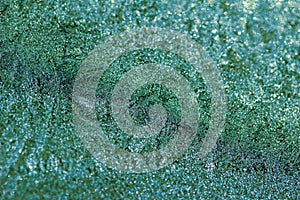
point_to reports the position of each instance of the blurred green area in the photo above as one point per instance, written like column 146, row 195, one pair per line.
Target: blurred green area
column 255, row 45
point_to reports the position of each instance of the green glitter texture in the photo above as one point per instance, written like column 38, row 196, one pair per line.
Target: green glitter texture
column 256, row 47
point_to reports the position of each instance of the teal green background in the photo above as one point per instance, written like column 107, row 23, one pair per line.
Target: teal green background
column 254, row 45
